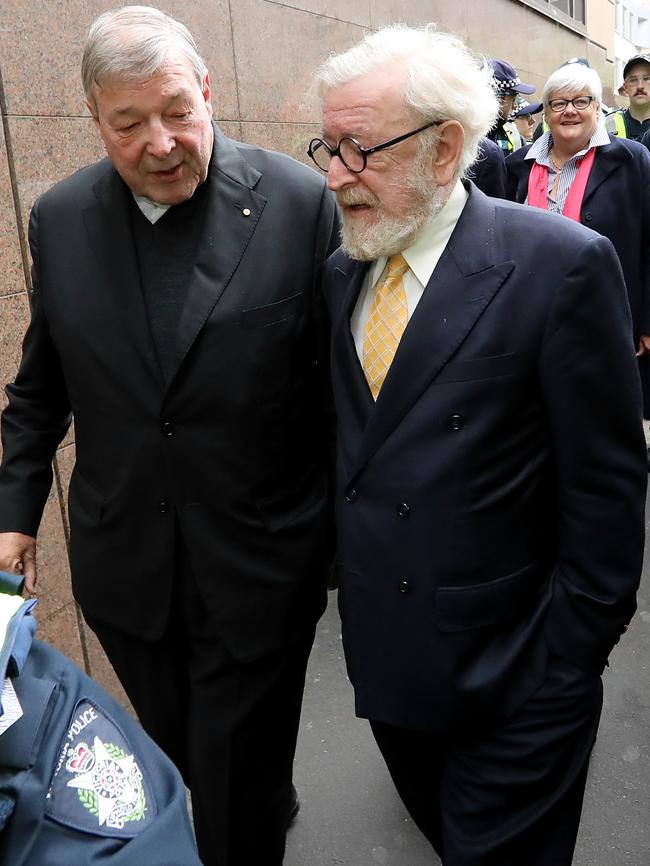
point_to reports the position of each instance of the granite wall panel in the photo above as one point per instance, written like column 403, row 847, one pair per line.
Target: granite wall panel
column 42, row 45
column 350, row 11
column 12, row 280
column 291, row 138
column 14, row 318
column 276, row 56
column 47, row 149
column 449, row 16
column 61, row 630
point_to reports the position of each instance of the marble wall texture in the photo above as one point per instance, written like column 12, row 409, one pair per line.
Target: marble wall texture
column 260, row 54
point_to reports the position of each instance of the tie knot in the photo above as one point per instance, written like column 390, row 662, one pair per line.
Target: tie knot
column 397, row 267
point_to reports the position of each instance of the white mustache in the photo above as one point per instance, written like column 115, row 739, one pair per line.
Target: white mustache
column 350, row 197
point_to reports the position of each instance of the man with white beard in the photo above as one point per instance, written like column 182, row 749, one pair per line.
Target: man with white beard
column 489, row 460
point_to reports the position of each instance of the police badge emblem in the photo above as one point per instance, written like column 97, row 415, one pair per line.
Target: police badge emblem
column 98, row 785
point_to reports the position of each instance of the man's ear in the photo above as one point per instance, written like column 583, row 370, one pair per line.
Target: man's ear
column 93, row 113
column 206, row 90
column 451, row 138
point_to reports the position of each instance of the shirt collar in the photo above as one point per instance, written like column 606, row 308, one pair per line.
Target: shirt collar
column 539, row 150
column 151, row 209
column 423, row 254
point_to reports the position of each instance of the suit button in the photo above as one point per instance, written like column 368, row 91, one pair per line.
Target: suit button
column 403, row 509
column 351, row 495
column 404, row 586
column 168, row 428
column 456, row 422
column 588, row 217
column 163, row 506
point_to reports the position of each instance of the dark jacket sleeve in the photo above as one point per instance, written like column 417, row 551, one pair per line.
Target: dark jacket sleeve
column 489, row 170
column 517, row 173
column 599, row 456
column 36, row 418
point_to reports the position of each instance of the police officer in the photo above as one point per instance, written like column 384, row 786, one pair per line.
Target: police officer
column 80, row 781
column 523, row 118
column 634, row 121
column 508, row 85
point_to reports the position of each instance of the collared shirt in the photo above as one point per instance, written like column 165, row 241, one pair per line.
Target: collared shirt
column 540, row 150
column 422, row 257
column 151, row 209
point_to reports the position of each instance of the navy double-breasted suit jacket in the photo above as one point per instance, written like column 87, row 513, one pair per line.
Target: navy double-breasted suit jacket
column 490, row 505
column 231, row 450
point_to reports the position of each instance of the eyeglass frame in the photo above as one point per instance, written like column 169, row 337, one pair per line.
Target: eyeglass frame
column 570, row 102
column 364, row 151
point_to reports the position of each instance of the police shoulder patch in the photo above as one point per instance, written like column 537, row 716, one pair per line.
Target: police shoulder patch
column 98, row 785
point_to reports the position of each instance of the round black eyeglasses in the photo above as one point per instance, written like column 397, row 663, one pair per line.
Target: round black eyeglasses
column 352, row 154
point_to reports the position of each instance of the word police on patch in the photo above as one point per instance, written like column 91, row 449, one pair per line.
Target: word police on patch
column 98, row 785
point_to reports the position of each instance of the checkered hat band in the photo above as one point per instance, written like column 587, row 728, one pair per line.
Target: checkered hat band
column 508, row 84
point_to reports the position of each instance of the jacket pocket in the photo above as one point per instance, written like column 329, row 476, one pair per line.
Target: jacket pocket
column 479, row 368
column 463, row 607
column 269, row 314
column 85, row 502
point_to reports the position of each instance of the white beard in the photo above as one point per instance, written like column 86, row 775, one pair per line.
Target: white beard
column 389, row 235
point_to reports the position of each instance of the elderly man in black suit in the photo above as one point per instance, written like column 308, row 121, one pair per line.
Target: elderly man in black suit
column 177, row 317
column 490, row 458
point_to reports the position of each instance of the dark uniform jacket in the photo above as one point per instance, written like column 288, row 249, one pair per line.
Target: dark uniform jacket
column 81, row 784
column 489, row 170
column 231, row 450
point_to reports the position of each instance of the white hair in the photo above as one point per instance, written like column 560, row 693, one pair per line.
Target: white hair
column 131, row 44
column 443, row 79
column 572, row 78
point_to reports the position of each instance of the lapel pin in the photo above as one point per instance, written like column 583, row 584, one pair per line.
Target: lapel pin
column 246, row 211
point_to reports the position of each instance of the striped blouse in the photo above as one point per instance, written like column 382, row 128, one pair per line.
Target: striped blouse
column 539, row 151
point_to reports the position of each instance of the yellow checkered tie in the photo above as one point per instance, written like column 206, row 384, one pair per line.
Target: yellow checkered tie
column 386, row 323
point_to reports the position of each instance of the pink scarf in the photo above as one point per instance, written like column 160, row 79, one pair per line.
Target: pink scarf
column 538, row 186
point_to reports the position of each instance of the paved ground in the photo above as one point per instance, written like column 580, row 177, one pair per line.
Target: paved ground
column 350, row 814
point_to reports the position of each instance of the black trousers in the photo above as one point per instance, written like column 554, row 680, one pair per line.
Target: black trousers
column 230, row 727
column 509, row 796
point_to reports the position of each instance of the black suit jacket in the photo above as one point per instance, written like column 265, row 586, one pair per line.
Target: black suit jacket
column 489, row 170
column 617, row 205
column 490, row 505
column 231, row 451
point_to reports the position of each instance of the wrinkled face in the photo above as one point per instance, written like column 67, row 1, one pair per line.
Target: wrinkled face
column 571, row 129
column 637, row 85
column 157, row 132
column 384, row 206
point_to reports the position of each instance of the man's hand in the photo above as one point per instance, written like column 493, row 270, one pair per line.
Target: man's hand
column 644, row 345
column 18, row 555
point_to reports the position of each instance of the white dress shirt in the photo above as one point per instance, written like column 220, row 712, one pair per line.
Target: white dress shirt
column 422, row 257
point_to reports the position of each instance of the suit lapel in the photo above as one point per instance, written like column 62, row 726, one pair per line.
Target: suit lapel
column 108, row 224
column 463, row 284
column 347, row 372
column 608, row 159
column 233, row 210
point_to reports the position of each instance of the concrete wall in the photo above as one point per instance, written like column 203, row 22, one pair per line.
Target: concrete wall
column 260, row 54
